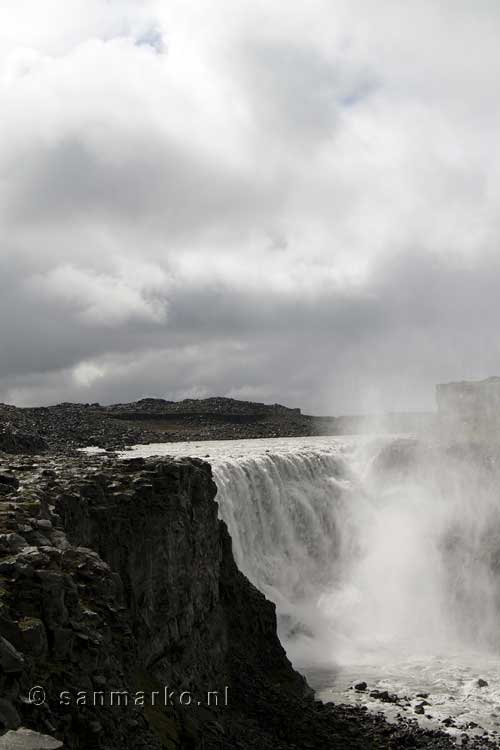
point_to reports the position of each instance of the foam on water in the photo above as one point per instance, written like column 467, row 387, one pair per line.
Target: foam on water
column 378, row 574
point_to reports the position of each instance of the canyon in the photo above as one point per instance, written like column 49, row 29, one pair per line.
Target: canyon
column 118, row 574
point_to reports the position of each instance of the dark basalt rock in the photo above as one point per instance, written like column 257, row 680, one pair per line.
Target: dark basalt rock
column 16, row 440
column 11, row 661
column 384, row 696
column 9, row 480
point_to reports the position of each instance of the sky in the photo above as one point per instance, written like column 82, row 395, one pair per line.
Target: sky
column 293, row 202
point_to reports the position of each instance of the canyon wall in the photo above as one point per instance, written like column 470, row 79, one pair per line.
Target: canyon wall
column 118, row 576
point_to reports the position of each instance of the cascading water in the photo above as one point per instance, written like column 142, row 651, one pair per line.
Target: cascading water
column 361, row 559
column 383, row 559
column 288, row 516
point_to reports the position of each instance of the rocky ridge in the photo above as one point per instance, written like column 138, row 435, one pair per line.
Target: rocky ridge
column 65, row 427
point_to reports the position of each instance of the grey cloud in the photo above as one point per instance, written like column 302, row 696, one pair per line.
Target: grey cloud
column 158, row 182
column 270, row 213
column 297, row 91
column 397, row 331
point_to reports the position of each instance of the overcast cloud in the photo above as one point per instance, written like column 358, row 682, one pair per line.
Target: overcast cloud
column 293, row 202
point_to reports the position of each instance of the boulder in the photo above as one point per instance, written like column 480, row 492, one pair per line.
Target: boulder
column 384, row 696
column 25, row 739
column 361, row 686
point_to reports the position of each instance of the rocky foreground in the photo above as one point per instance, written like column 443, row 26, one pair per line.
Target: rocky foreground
column 118, row 577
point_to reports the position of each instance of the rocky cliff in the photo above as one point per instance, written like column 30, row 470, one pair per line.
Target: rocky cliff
column 470, row 410
column 116, row 576
column 117, row 580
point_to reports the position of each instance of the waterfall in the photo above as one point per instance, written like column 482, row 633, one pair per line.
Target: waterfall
column 371, row 548
column 284, row 513
column 367, row 551
column 382, row 555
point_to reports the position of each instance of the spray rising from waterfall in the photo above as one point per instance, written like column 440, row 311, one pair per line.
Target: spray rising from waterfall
column 377, row 550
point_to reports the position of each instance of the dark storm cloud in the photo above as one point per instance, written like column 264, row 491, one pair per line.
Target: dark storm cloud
column 296, row 207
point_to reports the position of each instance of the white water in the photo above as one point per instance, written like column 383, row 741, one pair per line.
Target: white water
column 379, row 572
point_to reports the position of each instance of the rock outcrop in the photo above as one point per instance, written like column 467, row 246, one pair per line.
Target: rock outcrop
column 15, row 440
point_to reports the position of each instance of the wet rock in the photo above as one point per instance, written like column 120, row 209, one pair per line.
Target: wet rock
column 360, row 686
column 384, row 696
column 480, row 683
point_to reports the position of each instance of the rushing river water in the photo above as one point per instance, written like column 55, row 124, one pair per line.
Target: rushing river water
column 383, row 568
